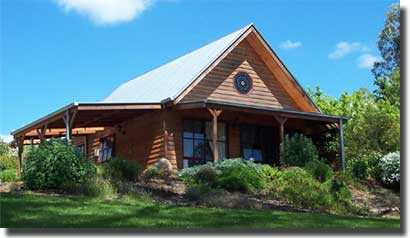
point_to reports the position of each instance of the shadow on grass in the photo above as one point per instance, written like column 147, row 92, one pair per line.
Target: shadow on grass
column 34, row 211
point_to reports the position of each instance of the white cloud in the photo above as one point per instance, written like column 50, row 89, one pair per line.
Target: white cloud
column 344, row 48
column 366, row 61
column 288, row 44
column 106, row 11
column 6, row 138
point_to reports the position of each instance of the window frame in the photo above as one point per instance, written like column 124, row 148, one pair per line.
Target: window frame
column 203, row 122
column 111, row 140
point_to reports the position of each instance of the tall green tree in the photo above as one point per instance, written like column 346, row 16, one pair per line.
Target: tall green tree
column 373, row 125
column 387, row 71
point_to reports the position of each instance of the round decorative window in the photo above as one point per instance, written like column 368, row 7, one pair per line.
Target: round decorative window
column 243, row 82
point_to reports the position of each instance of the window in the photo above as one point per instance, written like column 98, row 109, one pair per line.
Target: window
column 198, row 146
column 81, row 148
column 259, row 144
column 106, row 147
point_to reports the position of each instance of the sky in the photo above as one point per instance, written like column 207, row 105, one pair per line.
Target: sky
column 55, row 52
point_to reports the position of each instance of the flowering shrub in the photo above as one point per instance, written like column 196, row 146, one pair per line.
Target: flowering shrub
column 390, row 165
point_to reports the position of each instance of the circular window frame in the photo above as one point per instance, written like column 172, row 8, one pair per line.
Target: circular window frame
column 238, row 89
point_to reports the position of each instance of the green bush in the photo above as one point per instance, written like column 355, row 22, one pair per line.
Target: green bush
column 54, row 164
column 299, row 188
column 93, row 187
column 390, row 164
column 374, row 168
column 298, row 150
column 319, row 170
column 8, row 162
column 358, row 168
column 123, row 169
column 231, row 174
column 8, row 175
column 240, row 178
column 150, row 173
column 206, row 175
column 267, row 172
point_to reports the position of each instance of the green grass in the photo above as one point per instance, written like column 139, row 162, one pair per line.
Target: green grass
column 32, row 211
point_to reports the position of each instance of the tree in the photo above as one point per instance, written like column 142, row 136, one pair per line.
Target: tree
column 389, row 66
column 373, row 125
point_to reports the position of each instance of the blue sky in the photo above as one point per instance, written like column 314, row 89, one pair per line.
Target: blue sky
column 54, row 52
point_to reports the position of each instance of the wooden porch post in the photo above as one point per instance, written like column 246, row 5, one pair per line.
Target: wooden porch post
column 41, row 132
column 215, row 113
column 341, row 145
column 69, row 123
column 20, row 148
column 164, row 127
column 281, row 120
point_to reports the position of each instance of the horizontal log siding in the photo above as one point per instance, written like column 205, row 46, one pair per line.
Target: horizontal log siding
column 218, row 84
column 174, row 125
column 141, row 139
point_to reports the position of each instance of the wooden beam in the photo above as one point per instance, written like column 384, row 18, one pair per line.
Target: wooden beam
column 119, row 107
column 215, row 113
column 281, row 120
column 73, row 118
column 61, row 131
column 164, row 128
column 20, row 148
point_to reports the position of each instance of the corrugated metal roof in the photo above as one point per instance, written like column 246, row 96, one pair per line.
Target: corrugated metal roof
column 168, row 80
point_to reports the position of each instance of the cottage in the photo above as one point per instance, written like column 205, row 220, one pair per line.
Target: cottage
column 230, row 98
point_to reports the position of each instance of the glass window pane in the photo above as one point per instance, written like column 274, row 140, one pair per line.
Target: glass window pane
column 221, row 150
column 209, row 151
column 188, row 130
column 208, row 130
column 221, row 131
column 257, row 155
column 247, row 153
column 188, row 148
column 198, row 130
column 198, row 149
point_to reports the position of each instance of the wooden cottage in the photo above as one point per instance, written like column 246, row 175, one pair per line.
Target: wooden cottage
column 230, row 98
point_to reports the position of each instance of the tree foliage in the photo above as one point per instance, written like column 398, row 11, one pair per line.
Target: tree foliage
column 373, row 125
column 387, row 71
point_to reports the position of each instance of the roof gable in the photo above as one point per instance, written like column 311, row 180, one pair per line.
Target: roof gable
column 174, row 80
column 168, row 80
column 218, row 84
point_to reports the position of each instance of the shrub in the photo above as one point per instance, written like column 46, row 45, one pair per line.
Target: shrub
column 240, row 178
column 268, row 173
column 390, row 164
column 93, row 187
column 54, row 164
column 231, row 174
column 339, row 190
column 206, row 175
column 8, row 175
column 358, row 168
column 299, row 188
column 150, row 173
column 374, row 168
column 298, row 150
column 8, row 162
column 319, row 170
column 123, row 169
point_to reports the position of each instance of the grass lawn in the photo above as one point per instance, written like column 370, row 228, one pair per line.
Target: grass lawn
column 32, row 211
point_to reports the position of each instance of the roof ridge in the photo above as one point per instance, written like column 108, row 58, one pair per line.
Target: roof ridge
column 243, row 29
